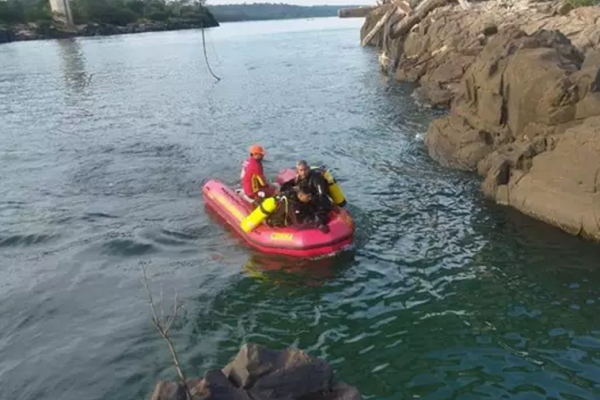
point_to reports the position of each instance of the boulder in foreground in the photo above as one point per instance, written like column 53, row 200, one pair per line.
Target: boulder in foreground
column 258, row 373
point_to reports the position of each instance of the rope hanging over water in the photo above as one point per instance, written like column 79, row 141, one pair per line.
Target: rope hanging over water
column 206, row 56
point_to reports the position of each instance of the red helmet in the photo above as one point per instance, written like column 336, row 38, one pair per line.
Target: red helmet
column 257, row 149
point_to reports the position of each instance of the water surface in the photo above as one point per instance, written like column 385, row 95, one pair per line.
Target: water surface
column 105, row 143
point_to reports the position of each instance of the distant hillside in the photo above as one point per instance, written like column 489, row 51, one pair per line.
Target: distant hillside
column 264, row 11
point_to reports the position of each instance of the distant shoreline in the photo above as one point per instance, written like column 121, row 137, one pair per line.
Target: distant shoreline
column 45, row 30
column 269, row 12
column 31, row 32
column 273, row 19
column 24, row 21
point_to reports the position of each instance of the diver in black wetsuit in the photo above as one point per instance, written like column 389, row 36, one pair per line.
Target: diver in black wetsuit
column 310, row 199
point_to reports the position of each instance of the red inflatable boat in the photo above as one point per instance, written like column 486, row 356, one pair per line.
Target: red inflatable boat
column 289, row 241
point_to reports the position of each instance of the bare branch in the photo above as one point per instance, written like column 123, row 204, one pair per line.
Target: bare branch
column 162, row 302
column 163, row 326
column 176, row 304
column 145, row 281
column 172, row 319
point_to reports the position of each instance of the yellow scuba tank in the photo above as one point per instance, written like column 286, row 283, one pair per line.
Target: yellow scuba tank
column 256, row 217
column 335, row 191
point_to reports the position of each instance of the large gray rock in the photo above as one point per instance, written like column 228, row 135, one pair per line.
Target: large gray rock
column 167, row 390
column 556, row 180
column 258, row 373
column 520, row 87
column 523, row 85
column 342, row 391
column 216, row 386
column 455, row 144
column 528, row 105
column 281, row 375
column 6, row 36
column 437, row 52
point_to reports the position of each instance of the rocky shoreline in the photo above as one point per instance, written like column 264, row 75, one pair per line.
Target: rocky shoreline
column 521, row 81
column 24, row 32
column 259, row 373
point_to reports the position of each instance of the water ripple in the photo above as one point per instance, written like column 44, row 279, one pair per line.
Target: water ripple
column 25, row 240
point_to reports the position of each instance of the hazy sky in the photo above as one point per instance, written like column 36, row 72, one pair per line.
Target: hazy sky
column 298, row 2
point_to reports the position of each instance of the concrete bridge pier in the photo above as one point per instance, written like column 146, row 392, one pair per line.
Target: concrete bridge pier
column 61, row 11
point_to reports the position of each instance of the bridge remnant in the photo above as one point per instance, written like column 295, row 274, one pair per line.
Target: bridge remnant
column 61, row 11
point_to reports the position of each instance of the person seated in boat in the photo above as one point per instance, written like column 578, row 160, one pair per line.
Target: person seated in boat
column 254, row 183
column 310, row 199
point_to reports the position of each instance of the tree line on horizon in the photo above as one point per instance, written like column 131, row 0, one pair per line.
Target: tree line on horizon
column 123, row 12
column 114, row 12
column 267, row 11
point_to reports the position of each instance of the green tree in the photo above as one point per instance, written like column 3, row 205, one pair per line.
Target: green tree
column 12, row 11
column 137, row 6
column 114, row 12
column 38, row 10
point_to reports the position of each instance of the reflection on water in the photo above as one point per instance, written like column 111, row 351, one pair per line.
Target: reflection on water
column 77, row 79
column 299, row 272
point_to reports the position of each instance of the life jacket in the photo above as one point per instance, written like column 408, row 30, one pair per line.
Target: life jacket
column 252, row 176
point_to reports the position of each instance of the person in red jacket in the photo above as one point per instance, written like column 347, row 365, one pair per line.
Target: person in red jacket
column 254, row 183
